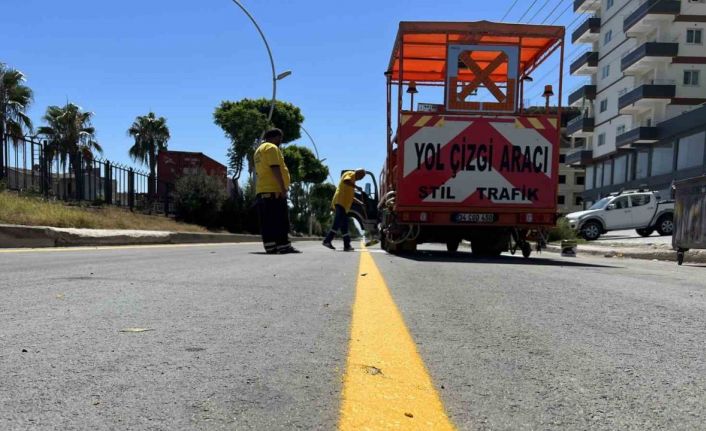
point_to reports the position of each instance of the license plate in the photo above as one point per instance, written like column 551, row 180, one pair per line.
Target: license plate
column 474, row 218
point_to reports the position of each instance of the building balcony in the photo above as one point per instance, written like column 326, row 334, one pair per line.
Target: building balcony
column 646, row 96
column 587, row 6
column 588, row 32
column 581, row 127
column 641, row 20
column 584, row 92
column 640, row 135
column 585, row 64
column 645, row 57
column 579, row 158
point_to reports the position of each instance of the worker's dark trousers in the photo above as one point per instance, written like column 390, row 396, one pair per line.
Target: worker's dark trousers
column 340, row 221
column 274, row 222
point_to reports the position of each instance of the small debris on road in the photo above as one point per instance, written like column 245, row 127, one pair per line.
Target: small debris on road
column 60, row 296
column 373, row 371
column 409, row 415
column 136, row 330
column 24, row 350
column 364, row 274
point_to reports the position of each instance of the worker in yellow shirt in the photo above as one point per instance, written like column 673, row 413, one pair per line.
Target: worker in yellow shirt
column 272, row 183
column 341, row 204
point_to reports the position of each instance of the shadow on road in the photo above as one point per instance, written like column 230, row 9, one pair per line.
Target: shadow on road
column 463, row 257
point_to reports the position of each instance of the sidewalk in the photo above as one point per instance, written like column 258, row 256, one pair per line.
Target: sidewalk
column 629, row 244
column 17, row 236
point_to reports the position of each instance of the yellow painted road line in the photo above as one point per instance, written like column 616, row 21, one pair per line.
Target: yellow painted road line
column 116, row 247
column 386, row 386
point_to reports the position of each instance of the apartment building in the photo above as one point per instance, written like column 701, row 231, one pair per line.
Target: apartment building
column 643, row 111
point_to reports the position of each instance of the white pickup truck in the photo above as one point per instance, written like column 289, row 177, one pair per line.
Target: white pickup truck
column 640, row 210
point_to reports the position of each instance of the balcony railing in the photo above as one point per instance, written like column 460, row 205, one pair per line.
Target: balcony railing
column 584, row 91
column 651, row 7
column 591, row 25
column 581, row 124
column 588, row 58
column 656, row 89
column 639, row 135
column 586, row 5
column 649, row 49
column 579, row 158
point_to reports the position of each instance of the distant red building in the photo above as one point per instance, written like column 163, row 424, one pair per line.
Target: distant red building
column 172, row 165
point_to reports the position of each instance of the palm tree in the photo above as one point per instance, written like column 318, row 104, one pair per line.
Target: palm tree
column 15, row 98
column 151, row 135
column 70, row 136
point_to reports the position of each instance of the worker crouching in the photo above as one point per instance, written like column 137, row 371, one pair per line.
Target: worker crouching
column 341, row 204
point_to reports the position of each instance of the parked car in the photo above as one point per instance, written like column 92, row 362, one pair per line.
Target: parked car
column 641, row 210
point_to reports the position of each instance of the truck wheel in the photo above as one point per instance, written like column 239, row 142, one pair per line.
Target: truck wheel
column 665, row 225
column 526, row 249
column 452, row 245
column 645, row 232
column 485, row 249
column 591, row 231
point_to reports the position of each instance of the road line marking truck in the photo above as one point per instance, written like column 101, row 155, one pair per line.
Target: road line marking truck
column 475, row 164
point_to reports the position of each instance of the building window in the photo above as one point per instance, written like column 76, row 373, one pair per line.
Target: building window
column 605, row 71
column 562, row 179
column 601, row 139
column 604, row 105
column 609, row 4
column 620, row 130
column 663, row 159
column 694, row 36
column 562, row 158
column 641, row 165
column 620, row 170
column 578, row 201
column 608, row 173
column 580, row 180
column 589, row 174
column 691, row 77
column 691, row 151
column 599, row 175
column 561, row 200
column 608, row 36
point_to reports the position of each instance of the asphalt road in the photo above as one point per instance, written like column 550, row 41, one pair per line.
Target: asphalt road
column 238, row 340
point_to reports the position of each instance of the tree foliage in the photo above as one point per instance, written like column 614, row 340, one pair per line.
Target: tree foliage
column 303, row 165
column 199, row 198
column 70, row 134
column 15, row 98
column 151, row 135
column 306, row 171
column 244, row 121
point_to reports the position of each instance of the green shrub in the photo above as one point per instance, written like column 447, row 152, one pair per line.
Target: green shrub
column 199, row 199
column 562, row 231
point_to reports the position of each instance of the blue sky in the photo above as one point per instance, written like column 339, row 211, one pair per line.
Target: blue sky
column 181, row 58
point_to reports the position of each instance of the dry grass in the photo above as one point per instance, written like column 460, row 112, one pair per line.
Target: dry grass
column 31, row 211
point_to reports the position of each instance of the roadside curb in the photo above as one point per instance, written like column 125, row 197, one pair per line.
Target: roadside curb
column 17, row 236
column 694, row 256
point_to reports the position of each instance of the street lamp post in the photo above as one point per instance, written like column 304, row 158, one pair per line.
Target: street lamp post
column 275, row 76
column 316, row 152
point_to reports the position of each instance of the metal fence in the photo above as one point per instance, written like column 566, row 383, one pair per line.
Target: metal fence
column 29, row 165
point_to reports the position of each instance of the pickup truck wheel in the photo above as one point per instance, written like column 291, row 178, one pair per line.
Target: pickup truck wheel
column 452, row 245
column 665, row 225
column 645, row 232
column 591, row 231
